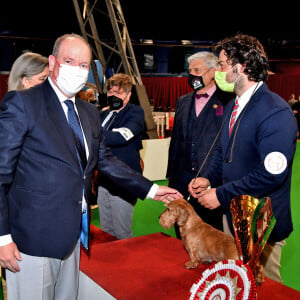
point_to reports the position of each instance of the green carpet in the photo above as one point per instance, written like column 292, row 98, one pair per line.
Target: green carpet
column 290, row 263
column 145, row 218
column 1, row 292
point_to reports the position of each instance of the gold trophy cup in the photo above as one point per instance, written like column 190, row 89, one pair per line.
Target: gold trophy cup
column 253, row 222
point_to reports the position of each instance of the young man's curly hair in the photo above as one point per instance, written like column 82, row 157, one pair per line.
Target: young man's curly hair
column 248, row 51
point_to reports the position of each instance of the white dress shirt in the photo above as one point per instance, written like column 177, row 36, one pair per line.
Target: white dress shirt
column 245, row 98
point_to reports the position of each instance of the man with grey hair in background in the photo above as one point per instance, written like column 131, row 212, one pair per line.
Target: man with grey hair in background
column 198, row 118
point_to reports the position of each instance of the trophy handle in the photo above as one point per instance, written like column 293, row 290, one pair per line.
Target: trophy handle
column 263, row 222
column 253, row 222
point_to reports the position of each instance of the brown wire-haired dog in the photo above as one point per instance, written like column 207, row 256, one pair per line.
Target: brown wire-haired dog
column 203, row 242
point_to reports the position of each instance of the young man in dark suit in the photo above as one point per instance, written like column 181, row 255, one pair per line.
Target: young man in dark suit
column 50, row 145
column 257, row 145
column 198, row 119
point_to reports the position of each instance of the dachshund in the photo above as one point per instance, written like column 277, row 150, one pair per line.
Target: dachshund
column 203, row 242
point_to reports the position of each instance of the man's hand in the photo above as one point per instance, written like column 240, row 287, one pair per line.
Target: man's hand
column 8, row 256
column 197, row 185
column 167, row 194
column 208, row 198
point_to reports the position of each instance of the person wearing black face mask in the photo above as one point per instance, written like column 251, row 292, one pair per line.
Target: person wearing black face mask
column 114, row 102
column 196, row 81
column 198, row 118
column 123, row 125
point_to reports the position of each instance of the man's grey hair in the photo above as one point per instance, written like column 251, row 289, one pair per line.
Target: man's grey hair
column 210, row 59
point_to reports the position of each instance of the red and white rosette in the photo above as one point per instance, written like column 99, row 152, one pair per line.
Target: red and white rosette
column 225, row 280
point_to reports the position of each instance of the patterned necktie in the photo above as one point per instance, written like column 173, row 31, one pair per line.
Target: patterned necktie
column 81, row 153
column 233, row 115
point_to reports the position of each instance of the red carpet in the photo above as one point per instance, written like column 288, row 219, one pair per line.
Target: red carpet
column 152, row 267
column 98, row 236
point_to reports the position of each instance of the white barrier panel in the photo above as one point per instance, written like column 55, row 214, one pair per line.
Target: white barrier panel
column 155, row 157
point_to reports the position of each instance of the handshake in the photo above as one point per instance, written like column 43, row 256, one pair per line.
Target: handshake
column 199, row 188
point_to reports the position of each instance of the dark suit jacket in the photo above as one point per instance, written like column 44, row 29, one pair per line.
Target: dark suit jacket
column 296, row 107
column 210, row 121
column 132, row 118
column 41, row 183
column 266, row 125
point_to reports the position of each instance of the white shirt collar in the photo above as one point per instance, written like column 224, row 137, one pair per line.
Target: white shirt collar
column 59, row 94
column 244, row 98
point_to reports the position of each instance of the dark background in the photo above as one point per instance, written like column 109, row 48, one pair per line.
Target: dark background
column 34, row 25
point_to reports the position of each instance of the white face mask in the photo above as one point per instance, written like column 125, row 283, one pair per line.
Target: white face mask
column 71, row 79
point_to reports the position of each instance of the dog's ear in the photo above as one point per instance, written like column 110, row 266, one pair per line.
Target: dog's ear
column 182, row 215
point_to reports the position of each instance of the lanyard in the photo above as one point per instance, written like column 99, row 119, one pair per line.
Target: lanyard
column 208, row 153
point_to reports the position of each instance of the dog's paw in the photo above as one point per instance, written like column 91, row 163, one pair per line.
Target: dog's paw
column 191, row 264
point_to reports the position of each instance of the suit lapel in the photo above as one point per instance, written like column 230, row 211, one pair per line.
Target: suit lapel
column 86, row 126
column 60, row 124
column 229, row 140
column 120, row 115
column 185, row 112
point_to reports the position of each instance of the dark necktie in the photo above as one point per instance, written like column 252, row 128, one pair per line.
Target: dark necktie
column 81, row 154
column 198, row 96
column 77, row 133
column 110, row 121
column 199, row 104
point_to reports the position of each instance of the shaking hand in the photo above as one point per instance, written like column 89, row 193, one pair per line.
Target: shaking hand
column 167, row 194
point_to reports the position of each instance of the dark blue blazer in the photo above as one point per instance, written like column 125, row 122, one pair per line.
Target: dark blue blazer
column 266, row 125
column 41, row 183
column 132, row 118
column 128, row 151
